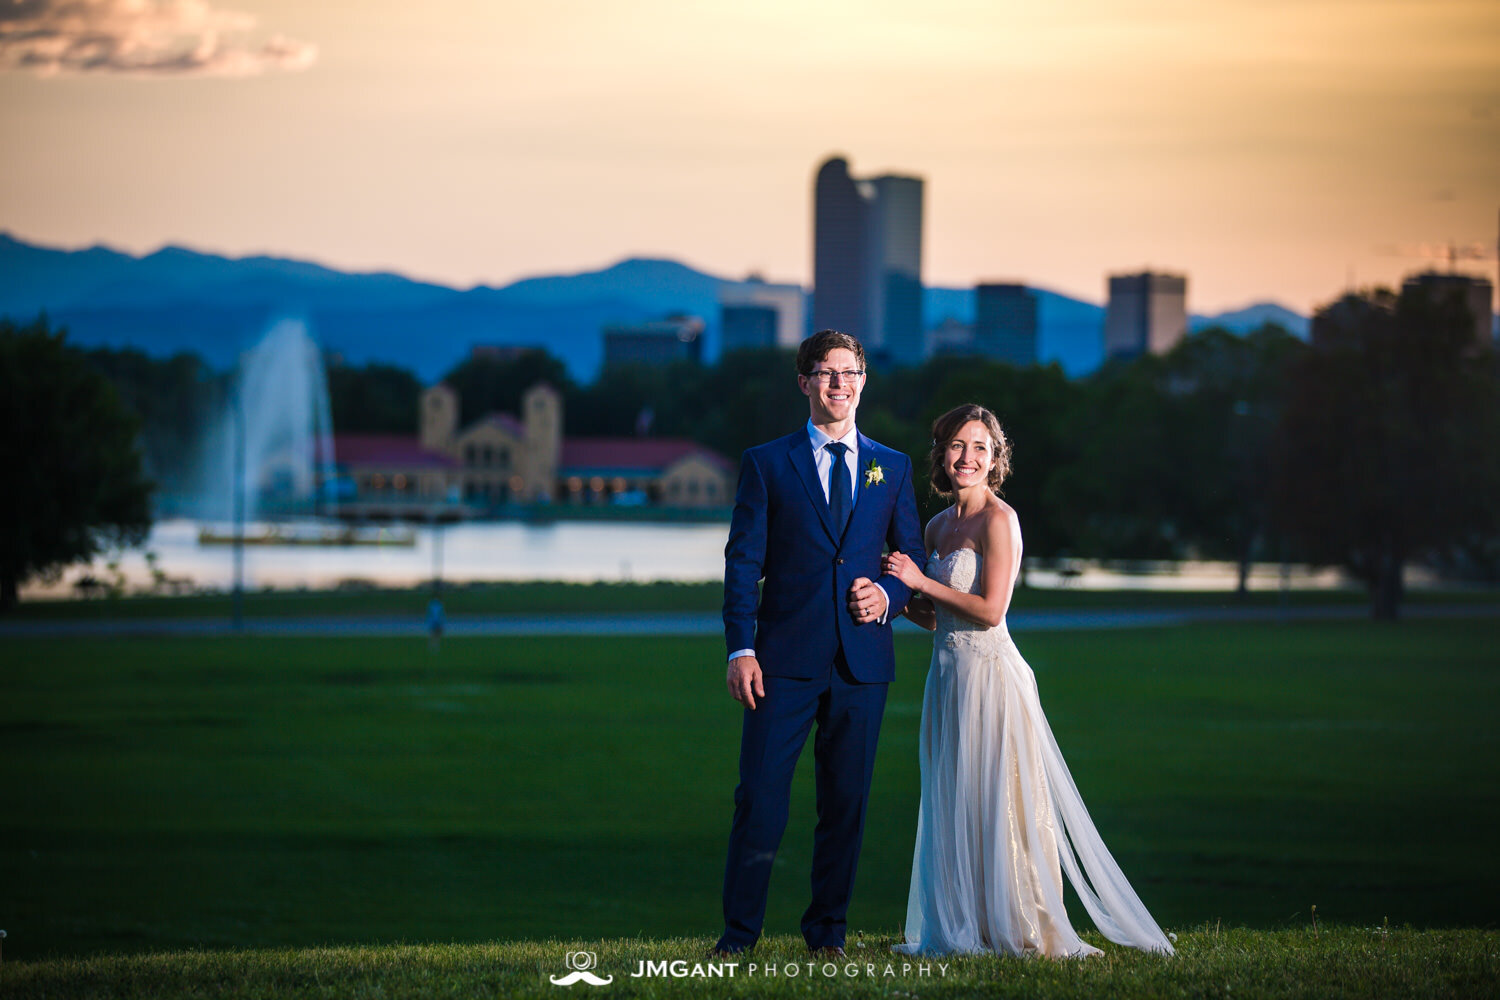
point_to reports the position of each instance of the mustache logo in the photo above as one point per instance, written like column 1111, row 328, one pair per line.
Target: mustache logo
column 580, row 962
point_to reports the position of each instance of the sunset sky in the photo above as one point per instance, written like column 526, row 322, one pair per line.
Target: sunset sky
column 1269, row 149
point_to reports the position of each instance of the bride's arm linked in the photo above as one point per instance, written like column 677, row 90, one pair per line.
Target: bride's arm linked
column 1000, row 546
column 919, row 610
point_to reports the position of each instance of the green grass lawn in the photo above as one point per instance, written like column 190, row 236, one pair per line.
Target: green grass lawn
column 253, row 793
column 1210, row 962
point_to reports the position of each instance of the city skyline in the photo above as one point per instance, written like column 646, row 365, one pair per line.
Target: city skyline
column 1272, row 151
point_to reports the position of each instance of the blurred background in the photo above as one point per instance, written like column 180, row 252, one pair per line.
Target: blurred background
column 367, row 376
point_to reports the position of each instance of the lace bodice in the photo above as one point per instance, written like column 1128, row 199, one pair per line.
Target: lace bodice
column 961, row 572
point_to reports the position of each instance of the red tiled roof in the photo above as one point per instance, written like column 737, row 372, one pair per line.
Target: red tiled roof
column 387, row 449
column 615, row 454
column 644, row 454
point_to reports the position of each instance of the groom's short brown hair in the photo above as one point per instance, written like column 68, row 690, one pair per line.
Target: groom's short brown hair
column 816, row 348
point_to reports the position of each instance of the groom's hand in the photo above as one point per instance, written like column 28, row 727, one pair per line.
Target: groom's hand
column 744, row 681
column 866, row 601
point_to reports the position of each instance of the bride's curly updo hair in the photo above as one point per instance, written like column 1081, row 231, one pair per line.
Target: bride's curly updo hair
column 945, row 429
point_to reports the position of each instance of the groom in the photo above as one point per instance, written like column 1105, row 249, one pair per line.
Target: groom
column 813, row 514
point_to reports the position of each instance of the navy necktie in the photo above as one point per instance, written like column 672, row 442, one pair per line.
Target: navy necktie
column 838, row 486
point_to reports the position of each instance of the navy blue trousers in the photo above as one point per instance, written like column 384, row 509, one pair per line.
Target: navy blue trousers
column 847, row 714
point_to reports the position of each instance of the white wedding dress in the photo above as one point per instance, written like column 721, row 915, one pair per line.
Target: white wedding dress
column 1001, row 819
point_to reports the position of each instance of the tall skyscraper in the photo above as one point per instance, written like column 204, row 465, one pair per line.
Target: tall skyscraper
column 841, row 253
column 897, row 250
column 1005, row 323
column 1147, row 312
column 867, row 260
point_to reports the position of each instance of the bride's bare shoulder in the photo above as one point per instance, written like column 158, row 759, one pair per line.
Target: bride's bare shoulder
column 1001, row 522
column 1000, row 511
column 936, row 525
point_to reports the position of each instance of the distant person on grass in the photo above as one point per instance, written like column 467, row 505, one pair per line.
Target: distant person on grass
column 435, row 621
column 813, row 514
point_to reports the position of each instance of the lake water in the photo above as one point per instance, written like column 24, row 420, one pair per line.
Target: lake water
column 571, row 550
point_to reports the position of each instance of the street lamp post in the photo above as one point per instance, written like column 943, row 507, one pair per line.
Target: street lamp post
column 237, row 408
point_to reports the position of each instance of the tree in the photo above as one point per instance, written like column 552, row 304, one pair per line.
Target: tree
column 488, row 384
column 628, row 399
column 1388, row 449
column 1223, row 396
column 174, row 398
column 749, row 397
column 71, row 458
column 1168, row 452
column 1121, row 496
column 375, row 399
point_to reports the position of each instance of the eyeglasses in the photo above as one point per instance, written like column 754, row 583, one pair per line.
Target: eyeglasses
column 826, row 377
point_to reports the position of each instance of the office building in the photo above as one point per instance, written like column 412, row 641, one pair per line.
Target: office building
column 659, row 342
column 842, row 265
column 1005, row 323
column 758, row 313
column 1147, row 313
column 867, row 260
column 896, row 245
column 951, row 337
column 747, row 326
column 1475, row 293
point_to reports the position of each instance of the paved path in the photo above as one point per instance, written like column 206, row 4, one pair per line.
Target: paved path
column 692, row 622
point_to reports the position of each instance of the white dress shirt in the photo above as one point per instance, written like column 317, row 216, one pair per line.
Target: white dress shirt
column 823, row 459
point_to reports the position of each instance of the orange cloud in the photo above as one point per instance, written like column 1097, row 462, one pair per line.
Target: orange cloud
column 142, row 37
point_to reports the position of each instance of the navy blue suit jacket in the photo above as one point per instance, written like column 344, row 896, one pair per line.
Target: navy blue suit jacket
column 782, row 532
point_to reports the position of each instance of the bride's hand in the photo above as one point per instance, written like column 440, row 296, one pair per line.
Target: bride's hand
column 899, row 565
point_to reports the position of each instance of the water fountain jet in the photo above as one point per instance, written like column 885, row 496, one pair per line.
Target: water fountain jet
column 278, row 403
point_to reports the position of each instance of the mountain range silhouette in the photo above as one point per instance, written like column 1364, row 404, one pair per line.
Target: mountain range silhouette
column 177, row 299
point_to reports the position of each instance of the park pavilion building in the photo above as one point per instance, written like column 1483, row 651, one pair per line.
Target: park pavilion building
column 502, row 460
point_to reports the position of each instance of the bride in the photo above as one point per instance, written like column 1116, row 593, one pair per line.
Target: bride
column 1000, row 819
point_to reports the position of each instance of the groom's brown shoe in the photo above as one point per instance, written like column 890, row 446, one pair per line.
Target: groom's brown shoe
column 829, row 951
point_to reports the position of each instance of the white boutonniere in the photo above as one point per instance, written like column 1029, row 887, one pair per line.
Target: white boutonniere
column 874, row 474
